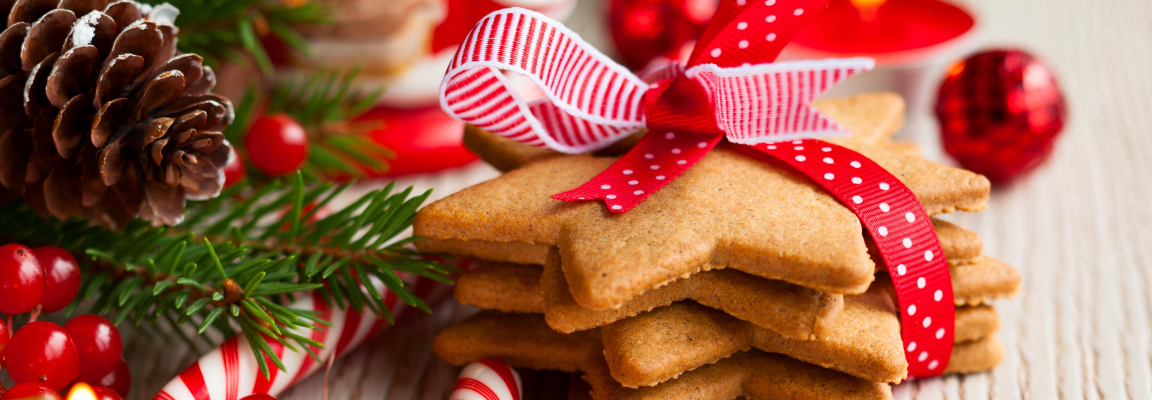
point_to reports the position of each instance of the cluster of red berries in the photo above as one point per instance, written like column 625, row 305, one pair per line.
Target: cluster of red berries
column 44, row 358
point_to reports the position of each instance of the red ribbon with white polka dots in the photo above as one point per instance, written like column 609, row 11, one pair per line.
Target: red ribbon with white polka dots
column 729, row 89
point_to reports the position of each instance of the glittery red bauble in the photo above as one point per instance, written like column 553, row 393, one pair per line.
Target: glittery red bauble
column 645, row 29
column 1000, row 112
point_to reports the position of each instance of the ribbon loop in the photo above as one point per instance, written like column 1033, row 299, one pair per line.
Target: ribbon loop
column 590, row 101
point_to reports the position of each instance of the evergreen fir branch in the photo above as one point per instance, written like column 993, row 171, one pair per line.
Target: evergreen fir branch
column 230, row 30
column 236, row 261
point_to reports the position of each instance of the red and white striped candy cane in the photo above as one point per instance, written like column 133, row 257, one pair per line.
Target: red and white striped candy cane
column 230, row 372
column 487, row 380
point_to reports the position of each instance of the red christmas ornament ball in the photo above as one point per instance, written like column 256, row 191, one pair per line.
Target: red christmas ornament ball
column 1000, row 112
column 98, row 343
column 21, row 279
column 276, row 144
column 259, row 396
column 31, row 391
column 62, row 275
column 42, row 352
column 645, row 29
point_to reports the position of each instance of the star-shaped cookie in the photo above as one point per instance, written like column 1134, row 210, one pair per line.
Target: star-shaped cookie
column 728, row 210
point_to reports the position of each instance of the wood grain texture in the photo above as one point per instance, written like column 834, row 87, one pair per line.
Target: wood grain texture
column 1079, row 230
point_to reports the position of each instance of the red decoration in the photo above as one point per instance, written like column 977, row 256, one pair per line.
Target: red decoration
column 463, row 13
column 276, row 144
column 236, row 170
column 424, row 139
column 259, row 396
column 875, row 27
column 31, row 391
column 488, row 379
column 1000, row 112
column 729, row 88
column 42, row 352
column 103, row 393
column 4, row 335
column 21, row 279
column 98, row 343
column 119, row 380
column 62, row 277
column 643, row 30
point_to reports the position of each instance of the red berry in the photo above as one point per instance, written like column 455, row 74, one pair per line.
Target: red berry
column 62, row 277
column 21, row 279
column 259, row 396
column 235, row 171
column 119, row 380
column 103, row 393
column 31, row 391
column 42, row 352
column 276, row 144
column 98, row 343
column 4, row 334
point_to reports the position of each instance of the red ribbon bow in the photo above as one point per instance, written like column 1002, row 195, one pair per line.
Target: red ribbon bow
column 729, row 89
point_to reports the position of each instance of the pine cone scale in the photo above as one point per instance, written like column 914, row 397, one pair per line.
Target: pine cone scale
column 159, row 92
column 73, row 121
column 103, row 125
column 71, row 75
column 30, row 10
column 117, row 75
column 81, row 7
column 46, row 37
column 60, row 193
column 11, row 41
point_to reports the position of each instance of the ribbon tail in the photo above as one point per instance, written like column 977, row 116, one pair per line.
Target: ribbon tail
column 903, row 233
column 654, row 162
column 588, row 101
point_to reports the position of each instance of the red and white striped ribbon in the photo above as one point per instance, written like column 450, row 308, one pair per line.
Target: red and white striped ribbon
column 487, row 380
column 590, row 101
column 230, row 372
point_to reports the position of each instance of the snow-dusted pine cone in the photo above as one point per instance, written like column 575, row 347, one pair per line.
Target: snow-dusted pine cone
column 99, row 116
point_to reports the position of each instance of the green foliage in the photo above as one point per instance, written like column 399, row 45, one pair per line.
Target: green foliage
column 231, row 263
column 326, row 105
column 230, row 30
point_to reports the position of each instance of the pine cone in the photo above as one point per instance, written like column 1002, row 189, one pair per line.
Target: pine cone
column 99, row 116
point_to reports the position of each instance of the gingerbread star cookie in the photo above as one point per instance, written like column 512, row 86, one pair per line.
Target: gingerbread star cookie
column 792, row 311
column 728, row 210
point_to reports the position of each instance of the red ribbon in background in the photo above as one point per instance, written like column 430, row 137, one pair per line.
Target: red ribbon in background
column 731, row 89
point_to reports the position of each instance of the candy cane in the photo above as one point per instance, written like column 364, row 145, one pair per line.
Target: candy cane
column 231, row 372
column 487, row 380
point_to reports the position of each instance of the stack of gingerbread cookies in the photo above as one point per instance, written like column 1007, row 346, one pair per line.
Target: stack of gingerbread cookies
column 739, row 278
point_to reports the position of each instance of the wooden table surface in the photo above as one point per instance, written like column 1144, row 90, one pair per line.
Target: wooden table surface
column 1079, row 230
